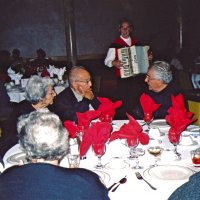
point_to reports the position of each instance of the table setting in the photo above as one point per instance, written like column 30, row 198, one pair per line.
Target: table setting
column 128, row 159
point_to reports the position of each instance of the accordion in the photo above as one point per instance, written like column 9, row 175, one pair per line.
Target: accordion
column 134, row 60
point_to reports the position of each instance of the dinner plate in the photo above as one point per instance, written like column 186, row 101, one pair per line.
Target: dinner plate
column 117, row 164
column 105, row 177
column 192, row 130
column 159, row 123
column 15, row 158
column 169, row 172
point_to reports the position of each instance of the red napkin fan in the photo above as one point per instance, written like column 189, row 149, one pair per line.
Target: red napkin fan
column 72, row 128
column 98, row 133
column 148, row 105
column 131, row 132
column 178, row 118
column 85, row 118
column 107, row 108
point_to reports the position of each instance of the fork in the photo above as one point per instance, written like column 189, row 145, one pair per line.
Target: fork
column 139, row 176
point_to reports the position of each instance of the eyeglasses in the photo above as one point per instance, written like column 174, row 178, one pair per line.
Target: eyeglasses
column 149, row 78
column 87, row 81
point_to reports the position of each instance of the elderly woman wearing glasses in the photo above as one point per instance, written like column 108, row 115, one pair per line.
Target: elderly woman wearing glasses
column 160, row 84
column 39, row 93
column 78, row 97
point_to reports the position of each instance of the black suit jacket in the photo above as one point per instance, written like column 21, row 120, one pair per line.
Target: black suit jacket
column 66, row 105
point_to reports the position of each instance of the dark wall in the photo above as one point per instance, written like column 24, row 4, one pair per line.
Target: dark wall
column 32, row 24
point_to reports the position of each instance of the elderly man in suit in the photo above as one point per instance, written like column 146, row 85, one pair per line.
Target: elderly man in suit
column 78, row 97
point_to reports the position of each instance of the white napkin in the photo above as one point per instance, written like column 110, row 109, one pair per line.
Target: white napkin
column 57, row 71
column 16, row 77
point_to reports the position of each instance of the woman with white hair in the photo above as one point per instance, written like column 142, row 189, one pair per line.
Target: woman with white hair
column 45, row 142
column 39, row 94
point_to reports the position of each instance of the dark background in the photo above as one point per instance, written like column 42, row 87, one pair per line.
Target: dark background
column 32, row 24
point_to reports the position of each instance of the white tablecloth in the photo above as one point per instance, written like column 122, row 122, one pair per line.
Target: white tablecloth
column 133, row 188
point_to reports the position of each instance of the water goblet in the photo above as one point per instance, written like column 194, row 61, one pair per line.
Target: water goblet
column 175, row 139
column 148, row 119
column 136, row 153
column 99, row 150
column 132, row 144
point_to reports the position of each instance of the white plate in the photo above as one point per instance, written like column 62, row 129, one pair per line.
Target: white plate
column 169, row 172
column 105, row 177
column 15, row 159
column 114, row 165
column 159, row 123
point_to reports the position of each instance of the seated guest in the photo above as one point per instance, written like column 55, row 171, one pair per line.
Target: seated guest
column 45, row 142
column 78, row 97
column 160, row 89
column 189, row 190
column 39, row 94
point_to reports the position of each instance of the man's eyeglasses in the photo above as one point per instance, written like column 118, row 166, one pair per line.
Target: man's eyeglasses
column 84, row 81
column 149, row 78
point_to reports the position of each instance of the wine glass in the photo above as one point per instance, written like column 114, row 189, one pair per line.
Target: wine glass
column 136, row 152
column 132, row 144
column 175, row 139
column 148, row 119
column 99, row 150
column 155, row 149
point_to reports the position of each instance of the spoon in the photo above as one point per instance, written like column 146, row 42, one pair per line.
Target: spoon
column 120, row 181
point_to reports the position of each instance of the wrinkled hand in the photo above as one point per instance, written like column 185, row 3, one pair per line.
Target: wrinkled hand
column 88, row 94
column 117, row 63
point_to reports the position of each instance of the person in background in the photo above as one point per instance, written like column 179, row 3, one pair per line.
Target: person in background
column 125, row 40
column 160, row 85
column 6, row 110
column 41, row 62
column 45, row 142
column 78, row 97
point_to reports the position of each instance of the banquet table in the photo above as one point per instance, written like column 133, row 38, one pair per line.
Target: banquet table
column 117, row 150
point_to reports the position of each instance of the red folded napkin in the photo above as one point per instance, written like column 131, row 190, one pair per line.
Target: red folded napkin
column 178, row 118
column 72, row 128
column 148, row 105
column 107, row 108
column 97, row 133
column 131, row 132
column 84, row 119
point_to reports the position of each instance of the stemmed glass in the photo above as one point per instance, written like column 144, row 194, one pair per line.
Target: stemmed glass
column 175, row 140
column 155, row 149
column 178, row 155
column 132, row 144
column 107, row 118
column 99, row 150
column 136, row 152
column 148, row 119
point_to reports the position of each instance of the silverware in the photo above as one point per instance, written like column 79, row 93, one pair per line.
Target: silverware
column 123, row 180
column 139, row 176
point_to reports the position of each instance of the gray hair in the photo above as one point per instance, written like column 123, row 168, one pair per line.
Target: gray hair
column 42, row 136
column 162, row 71
column 37, row 88
column 74, row 72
